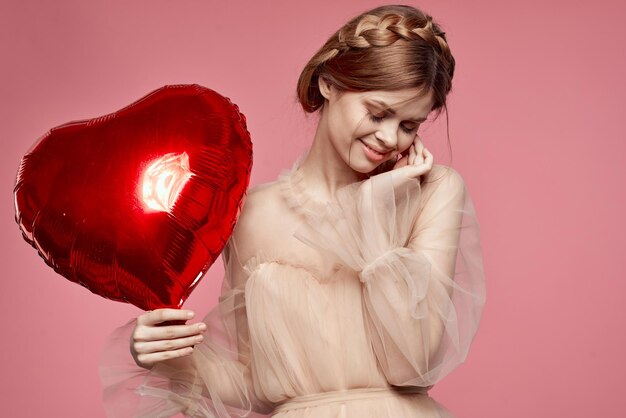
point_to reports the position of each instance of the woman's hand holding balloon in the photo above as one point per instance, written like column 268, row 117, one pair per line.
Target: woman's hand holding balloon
column 151, row 343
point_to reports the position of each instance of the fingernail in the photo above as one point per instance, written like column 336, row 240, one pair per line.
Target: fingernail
column 190, row 314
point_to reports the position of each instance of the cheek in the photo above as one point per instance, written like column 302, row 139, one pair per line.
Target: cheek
column 340, row 124
column 405, row 142
column 355, row 124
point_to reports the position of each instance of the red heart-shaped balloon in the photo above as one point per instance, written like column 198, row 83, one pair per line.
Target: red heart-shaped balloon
column 136, row 205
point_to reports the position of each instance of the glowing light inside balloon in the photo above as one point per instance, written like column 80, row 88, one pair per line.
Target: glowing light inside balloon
column 163, row 181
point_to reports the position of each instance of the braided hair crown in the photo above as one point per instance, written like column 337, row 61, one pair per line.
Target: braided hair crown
column 386, row 48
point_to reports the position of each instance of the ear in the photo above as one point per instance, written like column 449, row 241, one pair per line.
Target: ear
column 324, row 87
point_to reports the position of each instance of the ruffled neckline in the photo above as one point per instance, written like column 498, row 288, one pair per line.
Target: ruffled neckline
column 295, row 194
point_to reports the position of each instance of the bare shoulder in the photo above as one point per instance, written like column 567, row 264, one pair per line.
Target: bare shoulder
column 443, row 177
column 443, row 185
column 259, row 215
column 263, row 203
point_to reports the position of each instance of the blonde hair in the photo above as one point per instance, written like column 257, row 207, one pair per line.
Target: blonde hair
column 387, row 48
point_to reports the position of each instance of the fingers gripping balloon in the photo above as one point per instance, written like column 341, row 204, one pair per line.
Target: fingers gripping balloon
column 136, row 205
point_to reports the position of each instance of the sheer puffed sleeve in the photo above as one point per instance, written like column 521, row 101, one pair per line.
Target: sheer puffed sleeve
column 417, row 251
column 214, row 381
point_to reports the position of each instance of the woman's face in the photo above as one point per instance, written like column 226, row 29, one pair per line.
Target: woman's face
column 368, row 128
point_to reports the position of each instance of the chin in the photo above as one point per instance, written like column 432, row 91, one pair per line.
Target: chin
column 363, row 165
column 370, row 169
column 383, row 167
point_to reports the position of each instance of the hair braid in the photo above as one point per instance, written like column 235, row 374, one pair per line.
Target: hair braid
column 385, row 30
column 398, row 30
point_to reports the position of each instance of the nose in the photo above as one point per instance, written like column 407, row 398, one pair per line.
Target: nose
column 387, row 136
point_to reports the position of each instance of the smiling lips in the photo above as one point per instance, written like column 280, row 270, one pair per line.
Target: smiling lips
column 372, row 153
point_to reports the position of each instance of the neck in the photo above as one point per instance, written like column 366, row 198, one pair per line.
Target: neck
column 323, row 169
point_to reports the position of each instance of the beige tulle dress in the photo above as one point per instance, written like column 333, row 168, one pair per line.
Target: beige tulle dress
column 347, row 308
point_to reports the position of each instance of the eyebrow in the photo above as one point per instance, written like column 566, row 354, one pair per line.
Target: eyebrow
column 393, row 112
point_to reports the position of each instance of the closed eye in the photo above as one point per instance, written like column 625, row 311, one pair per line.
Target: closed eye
column 375, row 118
column 407, row 129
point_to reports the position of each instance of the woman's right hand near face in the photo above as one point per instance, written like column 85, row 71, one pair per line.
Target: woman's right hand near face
column 151, row 342
column 418, row 158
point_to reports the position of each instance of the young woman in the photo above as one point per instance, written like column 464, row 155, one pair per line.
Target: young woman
column 354, row 282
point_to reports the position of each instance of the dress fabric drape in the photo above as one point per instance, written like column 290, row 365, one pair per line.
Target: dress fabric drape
column 370, row 299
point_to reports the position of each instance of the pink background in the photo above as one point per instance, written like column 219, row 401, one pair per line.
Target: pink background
column 536, row 128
